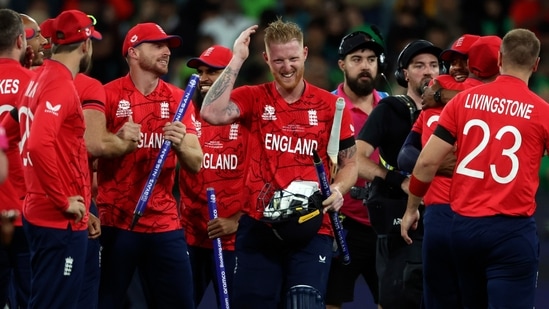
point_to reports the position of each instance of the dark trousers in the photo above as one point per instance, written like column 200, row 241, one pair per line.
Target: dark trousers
column 440, row 281
column 267, row 268
column 57, row 259
column 161, row 260
column 497, row 260
column 204, row 271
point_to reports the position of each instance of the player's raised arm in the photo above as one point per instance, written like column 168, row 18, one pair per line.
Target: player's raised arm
column 217, row 107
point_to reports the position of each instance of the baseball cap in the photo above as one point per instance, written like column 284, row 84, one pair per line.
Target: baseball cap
column 363, row 37
column 217, row 57
column 460, row 46
column 415, row 48
column 73, row 26
column 483, row 56
column 46, row 28
column 148, row 33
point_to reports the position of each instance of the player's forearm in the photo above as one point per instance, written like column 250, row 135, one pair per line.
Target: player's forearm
column 190, row 154
column 368, row 169
column 217, row 109
column 347, row 173
column 114, row 146
column 3, row 166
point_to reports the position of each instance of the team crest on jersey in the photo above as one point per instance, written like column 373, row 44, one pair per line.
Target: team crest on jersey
column 313, row 119
column 197, row 125
column 164, row 110
column 233, row 132
column 124, row 109
column 269, row 113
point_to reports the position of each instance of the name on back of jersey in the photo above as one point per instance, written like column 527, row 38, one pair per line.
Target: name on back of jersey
column 9, row 86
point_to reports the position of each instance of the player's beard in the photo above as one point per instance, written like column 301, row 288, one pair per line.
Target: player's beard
column 358, row 86
column 290, row 84
column 152, row 65
column 85, row 64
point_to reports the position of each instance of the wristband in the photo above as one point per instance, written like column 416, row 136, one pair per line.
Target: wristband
column 394, row 179
column 418, row 187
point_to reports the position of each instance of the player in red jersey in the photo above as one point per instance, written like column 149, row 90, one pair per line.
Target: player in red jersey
column 499, row 136
column 156, row 246
column 362, row 60
column 55, row 168
column 35, row 40
column 224, row 169
column 287, row 120
column 14, row 78
column 440, row 283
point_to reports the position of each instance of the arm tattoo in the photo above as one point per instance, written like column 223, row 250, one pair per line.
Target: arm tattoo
column 347, row 153
column 226, row 80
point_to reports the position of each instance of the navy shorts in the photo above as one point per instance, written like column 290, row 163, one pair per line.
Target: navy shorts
column 161, row 259
column 361, row 241
column 204, row 271
column 497, row 260
column 440, row 282
column 266, row 267
column 58, row 259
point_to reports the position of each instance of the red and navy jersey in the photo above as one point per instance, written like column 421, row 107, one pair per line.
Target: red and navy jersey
column 283, row 137
column 54, row 153
column 224, row 169
column 121, row 180
column 354, row 208
column 92, row 97
column 14, row 79
column 501, row 133
column 425, row 125
column 91, row 92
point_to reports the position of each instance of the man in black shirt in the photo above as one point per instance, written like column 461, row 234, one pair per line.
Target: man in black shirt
column 398, row 265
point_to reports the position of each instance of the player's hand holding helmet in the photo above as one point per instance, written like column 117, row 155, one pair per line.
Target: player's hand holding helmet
column 295, row 213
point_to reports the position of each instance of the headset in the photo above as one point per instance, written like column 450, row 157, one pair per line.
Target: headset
column 374, row 35
column 410, row 51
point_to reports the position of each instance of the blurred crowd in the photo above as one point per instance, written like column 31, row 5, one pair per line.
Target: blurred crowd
column 324, row 22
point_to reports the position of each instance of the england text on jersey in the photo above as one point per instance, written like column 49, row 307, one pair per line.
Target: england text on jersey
column 219, row 161
column 290, row 144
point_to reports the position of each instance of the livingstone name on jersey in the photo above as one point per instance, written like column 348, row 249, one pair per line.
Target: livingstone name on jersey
column 500, row 106
column 219, row 161
column 290, row 144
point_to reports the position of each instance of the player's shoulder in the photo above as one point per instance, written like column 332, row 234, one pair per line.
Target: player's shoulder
column 176, row 91
column 84, row 79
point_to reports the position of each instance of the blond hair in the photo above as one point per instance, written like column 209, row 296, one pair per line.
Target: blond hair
column 282, row 32
column 520, row 48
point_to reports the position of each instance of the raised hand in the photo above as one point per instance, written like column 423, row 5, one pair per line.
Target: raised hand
column 241, row 46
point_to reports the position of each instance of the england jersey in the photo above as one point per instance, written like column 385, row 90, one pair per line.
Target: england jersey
column 283, row 137
column 501, row 133
column 224, row 169
column 121, row 180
